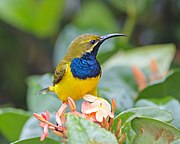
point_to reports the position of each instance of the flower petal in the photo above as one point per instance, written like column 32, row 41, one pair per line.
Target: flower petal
column 39, row 117
column 106, row 105
column 90, row 98
column 111, row 115
column 71, row 104
column 43, row 136
column 45, row 133
column 85, row 105
column 48, row 115
column 58, row 120
column 113, row 105
column 100, row 114
column 139, row 77
column 91, row 110
column 96, row 103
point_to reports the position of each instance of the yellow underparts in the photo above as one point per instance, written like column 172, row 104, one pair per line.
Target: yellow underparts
column 74, row 87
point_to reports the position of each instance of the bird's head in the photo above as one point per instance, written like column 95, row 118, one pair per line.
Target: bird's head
column 88, row 43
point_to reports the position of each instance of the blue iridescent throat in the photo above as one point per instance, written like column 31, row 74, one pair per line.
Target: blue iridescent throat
column 85, row 67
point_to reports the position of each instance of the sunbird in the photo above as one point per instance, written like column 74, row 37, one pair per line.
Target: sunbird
column 79, row 72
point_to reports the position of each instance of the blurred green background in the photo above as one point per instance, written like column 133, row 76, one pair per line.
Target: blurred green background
column 31, row 31
column 35, row 34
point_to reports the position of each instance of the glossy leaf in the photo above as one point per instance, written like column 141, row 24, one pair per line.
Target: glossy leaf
column 172, row 106
column 168, row 87
column 36, row 141
column 81, row 131
column 150, row 131
column 138, row 6
column 12, row 122
column 129, row 115
column 176, row 141
column 41, row 102
column 142, row 57
column 37, row 17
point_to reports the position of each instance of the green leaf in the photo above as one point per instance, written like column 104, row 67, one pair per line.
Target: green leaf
column 32, row 129
column 142, row 56
column 129, row 115
column 82, row 131
column 176, row 141
column 36, row 141
column 150, row 131
column 168, row 87
column 172, row 106
column 151, row 112
column 122, row 89
column 96, row 14
column 37, row 17
column 118, row 83
column 133, row 5
column 41, row 102
column 11, row 122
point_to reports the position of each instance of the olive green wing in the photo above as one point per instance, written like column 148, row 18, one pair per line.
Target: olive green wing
column 60, row 72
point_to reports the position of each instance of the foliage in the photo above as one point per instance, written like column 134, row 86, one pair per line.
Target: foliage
column 148, row 115
column 36, row 83
column 122, row 77
column 83, row 131
column 12, row 122
column 154, row 131
column 165, row 88
column 32, row 16
column 129, row 115
column 36, row 140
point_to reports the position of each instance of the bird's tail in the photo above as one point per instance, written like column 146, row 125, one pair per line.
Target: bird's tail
column 46, row 90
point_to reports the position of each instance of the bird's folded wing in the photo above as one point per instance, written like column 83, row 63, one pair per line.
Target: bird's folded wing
column 60, row 71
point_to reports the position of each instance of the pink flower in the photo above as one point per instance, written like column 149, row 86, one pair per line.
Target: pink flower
column 60, row 115
column 95, row 109
column 44, row 117
column 143, row 81
column 98, row 107
column 46, row 124
column 139, row 77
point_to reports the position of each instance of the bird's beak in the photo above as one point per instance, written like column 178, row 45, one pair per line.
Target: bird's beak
column 108, row 36
column 105, row 37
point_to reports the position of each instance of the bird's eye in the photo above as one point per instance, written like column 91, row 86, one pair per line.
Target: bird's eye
column 92, row 42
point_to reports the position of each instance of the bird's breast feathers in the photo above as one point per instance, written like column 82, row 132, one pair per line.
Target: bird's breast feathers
column 75, row 87
column 85, row 67
column 81, row 77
